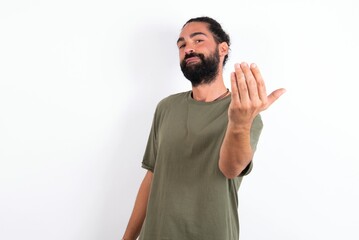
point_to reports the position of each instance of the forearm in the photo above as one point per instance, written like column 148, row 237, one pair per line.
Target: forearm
column 139, row 211
column 236, row 151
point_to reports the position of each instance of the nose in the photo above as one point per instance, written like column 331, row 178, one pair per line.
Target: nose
column 189, row 50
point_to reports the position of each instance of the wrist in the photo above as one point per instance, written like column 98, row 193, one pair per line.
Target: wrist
column 128, row 238
column 239, row 128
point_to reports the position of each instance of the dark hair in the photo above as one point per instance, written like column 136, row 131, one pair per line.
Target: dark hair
column 216, row 29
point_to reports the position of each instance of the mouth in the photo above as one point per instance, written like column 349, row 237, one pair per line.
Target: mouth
column 192, row 60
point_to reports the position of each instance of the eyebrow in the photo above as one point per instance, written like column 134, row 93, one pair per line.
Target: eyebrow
column 191, row 36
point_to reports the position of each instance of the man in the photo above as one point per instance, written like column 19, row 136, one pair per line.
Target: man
column 201, row 144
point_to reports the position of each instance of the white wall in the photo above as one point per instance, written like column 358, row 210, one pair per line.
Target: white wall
column 79, row 81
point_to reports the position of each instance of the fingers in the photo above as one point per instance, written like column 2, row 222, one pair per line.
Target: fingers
column 262, row 93
column 250, row 81
column 241, row 84
column 234, row 88
column 246, row 83
column 248, row 87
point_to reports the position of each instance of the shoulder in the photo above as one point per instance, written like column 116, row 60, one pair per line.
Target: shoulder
column 173, row 99
column 173, row 103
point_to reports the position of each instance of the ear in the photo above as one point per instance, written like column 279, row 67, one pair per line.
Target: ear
column 223, row 49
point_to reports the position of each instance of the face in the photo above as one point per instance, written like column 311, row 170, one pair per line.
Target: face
column 199, row 53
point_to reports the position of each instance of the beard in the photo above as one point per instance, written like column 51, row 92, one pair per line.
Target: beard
column 203, row 72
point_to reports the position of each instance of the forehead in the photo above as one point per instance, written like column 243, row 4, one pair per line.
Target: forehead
column 195, row 27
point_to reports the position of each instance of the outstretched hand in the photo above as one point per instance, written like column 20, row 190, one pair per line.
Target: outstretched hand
column 249, row 96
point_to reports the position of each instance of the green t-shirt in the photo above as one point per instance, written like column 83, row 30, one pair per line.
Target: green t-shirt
column 190, row 198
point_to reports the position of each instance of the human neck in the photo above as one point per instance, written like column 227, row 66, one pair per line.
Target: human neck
column 210, row 92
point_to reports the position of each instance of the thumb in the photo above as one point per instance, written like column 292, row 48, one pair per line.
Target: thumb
column 274, row 96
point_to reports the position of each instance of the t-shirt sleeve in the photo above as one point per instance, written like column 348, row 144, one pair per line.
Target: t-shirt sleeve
column 149, row 157
column 256, row 130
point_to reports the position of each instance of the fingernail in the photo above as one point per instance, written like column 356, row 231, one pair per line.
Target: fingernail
column 254, row 65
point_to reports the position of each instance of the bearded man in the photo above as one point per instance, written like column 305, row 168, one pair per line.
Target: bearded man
column 201, row 144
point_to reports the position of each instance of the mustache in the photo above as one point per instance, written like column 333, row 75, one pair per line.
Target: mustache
column 193, row 55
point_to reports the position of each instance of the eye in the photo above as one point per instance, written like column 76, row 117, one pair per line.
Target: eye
column 181, row 46
column 198, row 40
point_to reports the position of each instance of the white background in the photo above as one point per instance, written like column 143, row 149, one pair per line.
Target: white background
column 79, row 81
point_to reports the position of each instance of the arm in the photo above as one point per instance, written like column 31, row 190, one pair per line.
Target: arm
column 249, row 98
column 139, row 211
